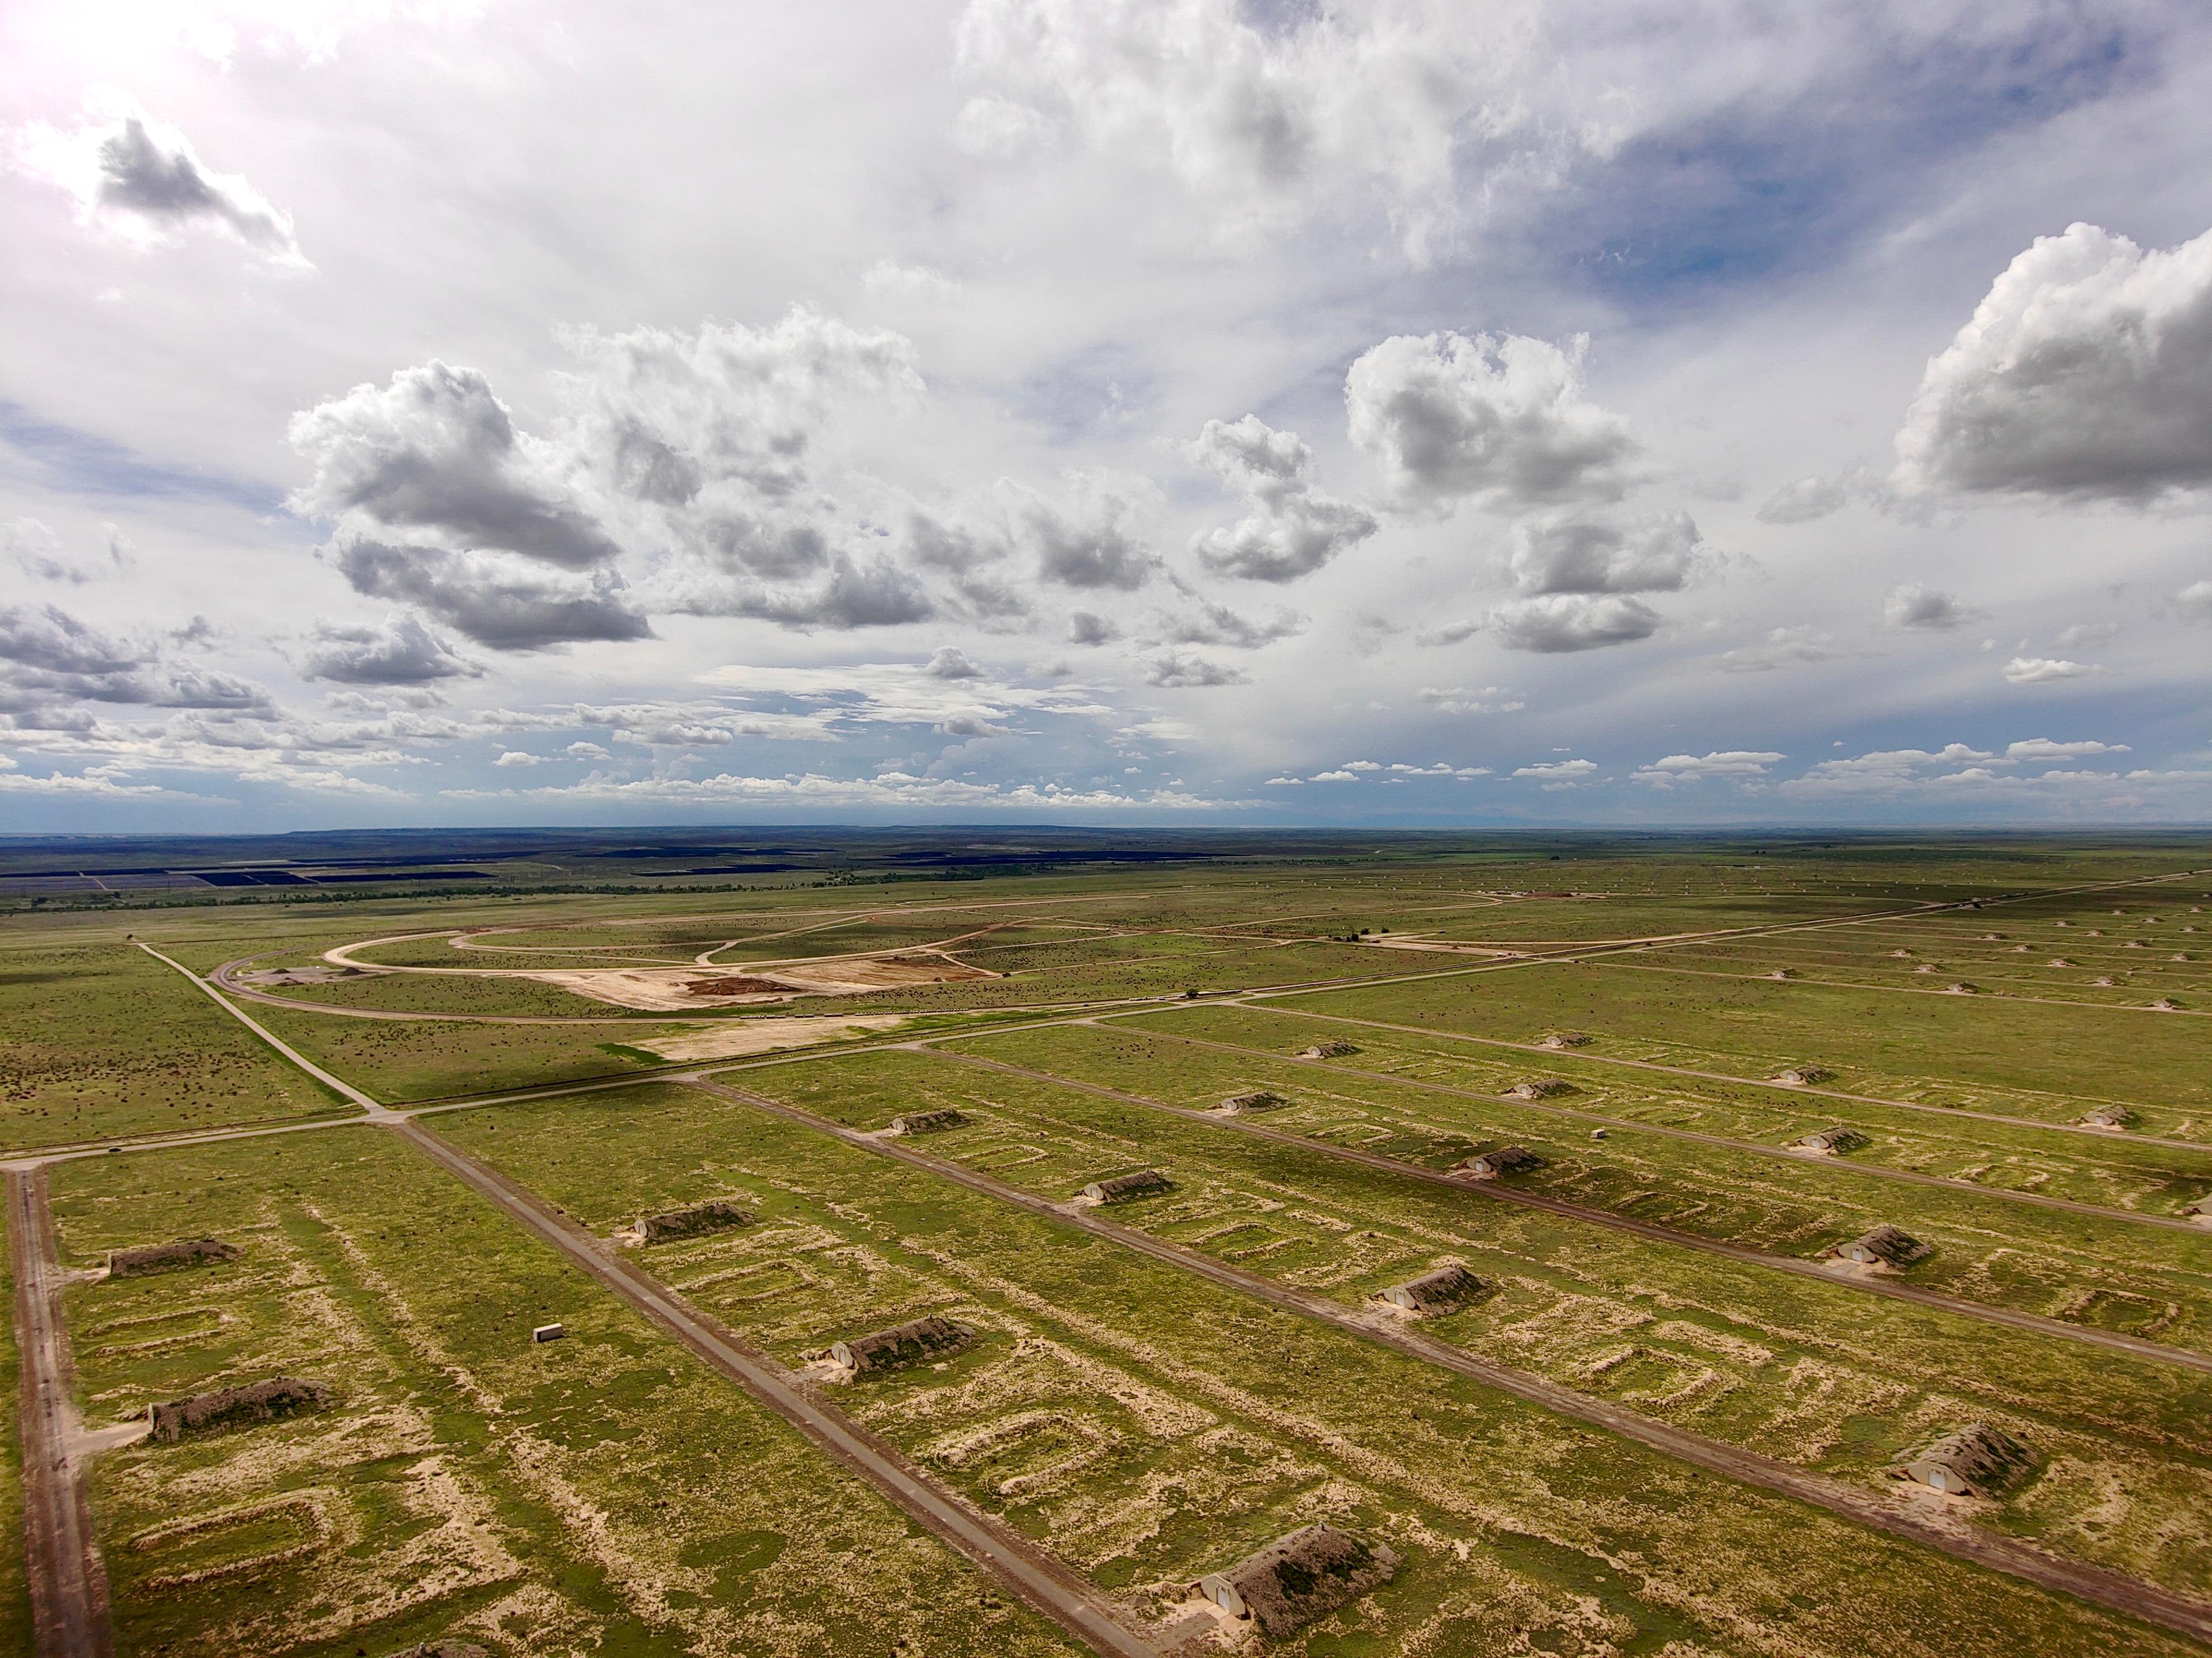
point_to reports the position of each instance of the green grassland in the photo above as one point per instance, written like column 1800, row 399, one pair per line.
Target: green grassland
column 1988, row 1247
column 2019, row 1150
column 1946, row 1049
column 603, row 1495
column 1146, row 1426
column 103, row 1041
column 14, row 1590
column 1804, row 1371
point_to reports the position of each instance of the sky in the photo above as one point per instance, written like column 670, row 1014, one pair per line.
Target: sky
column 1186, row 412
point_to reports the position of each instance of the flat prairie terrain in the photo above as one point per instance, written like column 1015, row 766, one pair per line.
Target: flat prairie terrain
column 1658, row 1416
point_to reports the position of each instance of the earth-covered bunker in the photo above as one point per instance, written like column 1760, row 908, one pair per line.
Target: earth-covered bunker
column 928, row 1122
column 230, row 1408
column 1489, row 1165
column 1886, row 1245
column 1257, row 1099
column 1444, row 1290
column 147, row 1259
column 1830, row 1139
column 1124, row 1189
column 2107, row 1117
column 918, row 1342
column 716, row 1215
column 1801, row 1076
column 1977, row 1461
column 1299, row 1577
column 1328, row 1050
column 1539, row 1088
column 1562, row 1039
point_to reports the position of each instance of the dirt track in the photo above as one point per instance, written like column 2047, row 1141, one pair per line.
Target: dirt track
column 2124, row 1594
column 1039, row 1581
column 69, row 1583
column 2034, row 1322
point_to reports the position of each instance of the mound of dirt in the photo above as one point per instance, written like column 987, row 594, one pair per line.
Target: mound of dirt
column 740, row 984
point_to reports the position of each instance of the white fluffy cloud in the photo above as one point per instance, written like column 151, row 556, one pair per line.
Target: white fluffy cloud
column 1268, row 113
column 1559, row 622
column 1556, row 553
column 2086, row 372
column 2047, row 670
column 1499, row 421
column 2195, row 601
column 1292, row 529
column 1694, row 768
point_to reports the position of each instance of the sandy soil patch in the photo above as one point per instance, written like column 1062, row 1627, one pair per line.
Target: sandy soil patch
column 681, row 989
column 736, row 1041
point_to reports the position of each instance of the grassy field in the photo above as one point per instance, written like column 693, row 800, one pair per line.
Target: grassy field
column 1802, row 1371
column 1145, row 1425
column 102, row 1040
column 572, row 1497
column 608, row 1495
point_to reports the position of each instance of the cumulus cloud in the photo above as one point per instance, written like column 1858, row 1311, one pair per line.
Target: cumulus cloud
column 2195, row 601
column 1210, row 624
column 501, row 600
column 1695, row 768
column 1555, row 553
column 1499, row 422
column 1912, row 605
column 1089, row 628
column 1175, row 670
column 2081, row 375
column 1804, row 501
column 2046, row 669
column 1558, row 623
column 50, row 658
column 950, row 662
column 1093, row 535
column 434, row 451
column 403, row 652
column 142, row 180
column 1557, row 771
column 1292, row 529
column 1268, row 114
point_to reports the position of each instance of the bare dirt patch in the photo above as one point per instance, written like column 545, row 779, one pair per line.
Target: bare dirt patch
column 736, row 1041
column 683, row 989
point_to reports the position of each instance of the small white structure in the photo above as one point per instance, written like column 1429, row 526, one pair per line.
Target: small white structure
column 550, row 1333
column 1977, row 1461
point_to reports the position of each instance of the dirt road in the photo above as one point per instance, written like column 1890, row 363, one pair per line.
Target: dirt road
column 68, row 1584
column 2108, row 1589
column 1039, row 1581
column 2035, row 1323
